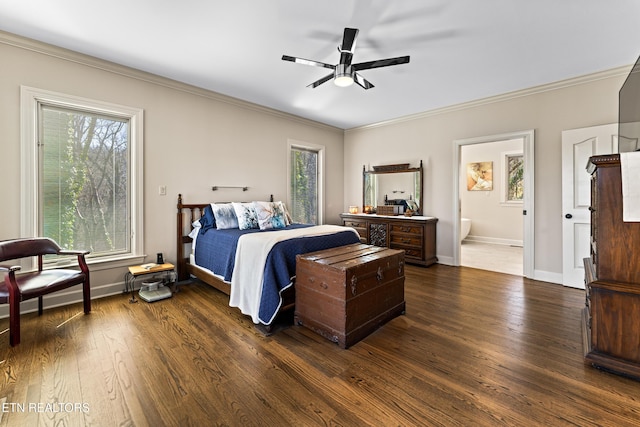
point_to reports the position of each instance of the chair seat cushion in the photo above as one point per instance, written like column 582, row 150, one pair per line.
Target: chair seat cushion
column 42, row 282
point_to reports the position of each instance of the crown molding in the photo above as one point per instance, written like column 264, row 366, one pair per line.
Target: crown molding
column 575, row 81
column 36, row 46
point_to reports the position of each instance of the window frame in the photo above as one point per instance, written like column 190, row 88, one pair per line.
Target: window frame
column 31, row 99
column 504, row 194
column 320, row 150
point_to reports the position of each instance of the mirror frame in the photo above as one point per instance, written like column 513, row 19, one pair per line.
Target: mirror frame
column 388, row 169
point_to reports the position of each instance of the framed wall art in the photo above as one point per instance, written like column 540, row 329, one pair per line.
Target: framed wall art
column 480, row 176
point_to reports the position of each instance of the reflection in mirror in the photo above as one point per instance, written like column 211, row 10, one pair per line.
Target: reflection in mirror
column 370, row 189
column 393, row 185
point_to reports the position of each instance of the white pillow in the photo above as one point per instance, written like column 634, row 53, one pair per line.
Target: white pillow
column 194, row 233
column 246, row 215
column 225, row 216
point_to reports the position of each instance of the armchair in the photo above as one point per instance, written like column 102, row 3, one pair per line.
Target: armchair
column 21, row 287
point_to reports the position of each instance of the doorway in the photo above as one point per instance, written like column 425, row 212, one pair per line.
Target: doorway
column 485, row 158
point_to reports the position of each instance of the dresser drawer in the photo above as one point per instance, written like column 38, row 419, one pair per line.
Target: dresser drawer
column 411, row 253
column 411, row 243
column 408, row 229
column 356, row 224
column 406, row 240
column 361, row 229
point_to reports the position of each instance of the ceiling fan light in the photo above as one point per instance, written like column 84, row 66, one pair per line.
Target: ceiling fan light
column 343, row 76
column 343, row 81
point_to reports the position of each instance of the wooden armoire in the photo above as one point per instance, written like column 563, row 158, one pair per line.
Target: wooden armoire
column 611, row 318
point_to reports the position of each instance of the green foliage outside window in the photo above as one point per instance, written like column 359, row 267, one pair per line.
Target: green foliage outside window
column 84, row 180
column 515, row 173
column 304, row 186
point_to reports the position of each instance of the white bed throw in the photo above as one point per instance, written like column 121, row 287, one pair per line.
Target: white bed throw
column 251, row 255
column 630, row 171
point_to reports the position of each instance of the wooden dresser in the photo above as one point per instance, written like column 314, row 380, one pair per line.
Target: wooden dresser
column 416, row 235
column 611, row 318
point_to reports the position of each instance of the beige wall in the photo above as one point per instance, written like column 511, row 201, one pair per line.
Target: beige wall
column 587, row 101
column 193, row 139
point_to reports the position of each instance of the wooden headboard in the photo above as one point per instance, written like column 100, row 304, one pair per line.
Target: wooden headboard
column 187, row 214
column 191, row 212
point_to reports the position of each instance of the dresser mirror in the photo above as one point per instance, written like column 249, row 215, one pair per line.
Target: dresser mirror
column 396, row 185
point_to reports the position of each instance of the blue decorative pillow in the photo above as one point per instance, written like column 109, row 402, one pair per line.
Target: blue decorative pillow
column 207, row 220
column 225, row 216
column 246, row 215
column 270, row 215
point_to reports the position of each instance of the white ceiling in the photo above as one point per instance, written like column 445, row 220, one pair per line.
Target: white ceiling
column 461, row 50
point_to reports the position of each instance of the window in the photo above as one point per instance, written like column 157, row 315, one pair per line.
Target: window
column 82, row 173
column 305, row 167
column 513, row 167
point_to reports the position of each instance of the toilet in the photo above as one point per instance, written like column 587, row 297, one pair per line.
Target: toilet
column 465, row 227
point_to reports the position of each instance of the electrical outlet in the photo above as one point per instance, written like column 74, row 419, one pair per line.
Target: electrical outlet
column 162, row 190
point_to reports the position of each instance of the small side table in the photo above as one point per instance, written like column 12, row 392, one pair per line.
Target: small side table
column 136, row 271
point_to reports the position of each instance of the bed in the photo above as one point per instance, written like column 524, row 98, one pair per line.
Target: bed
column 226, row 258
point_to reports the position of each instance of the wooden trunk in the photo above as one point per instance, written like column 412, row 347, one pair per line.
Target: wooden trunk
column 346, row 293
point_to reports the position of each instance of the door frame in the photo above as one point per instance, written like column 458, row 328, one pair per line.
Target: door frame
column 528, row 137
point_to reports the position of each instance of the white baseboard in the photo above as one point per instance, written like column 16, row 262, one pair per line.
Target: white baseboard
column 446, row 260
column 69, row 296
column 494, row 240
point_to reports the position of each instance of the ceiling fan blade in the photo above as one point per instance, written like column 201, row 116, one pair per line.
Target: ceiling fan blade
column 366, row 84
column 348, row 45
column 349, row 40
column 381, row 63
column 319, row 82
column 307, row 62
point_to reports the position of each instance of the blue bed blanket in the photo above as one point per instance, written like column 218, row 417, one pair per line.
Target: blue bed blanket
column 216, row 251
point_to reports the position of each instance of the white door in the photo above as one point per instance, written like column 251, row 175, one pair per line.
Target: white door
column 577, row 146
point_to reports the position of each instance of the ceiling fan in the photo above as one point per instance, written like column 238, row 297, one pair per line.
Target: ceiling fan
column 345, row 73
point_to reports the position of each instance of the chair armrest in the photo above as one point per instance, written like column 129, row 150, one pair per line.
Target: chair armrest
column 10, row 268
column 82, row 262
column 72, row 252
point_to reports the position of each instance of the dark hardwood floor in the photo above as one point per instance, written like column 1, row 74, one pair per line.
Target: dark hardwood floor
column 474, row 348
